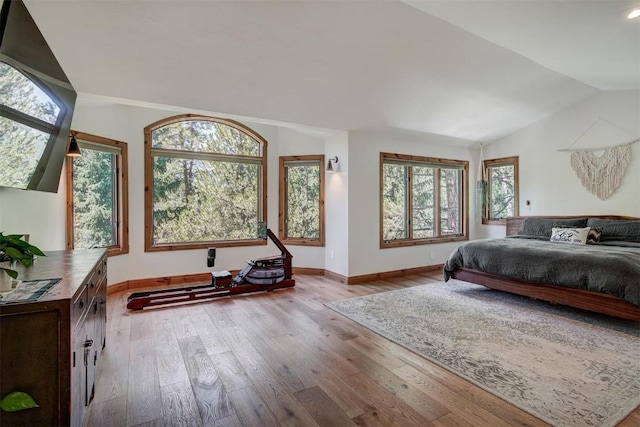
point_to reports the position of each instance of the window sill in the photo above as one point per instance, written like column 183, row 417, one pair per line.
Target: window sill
column 302, row 242
column 203, row 245
column 417, row 242
column 494, row 221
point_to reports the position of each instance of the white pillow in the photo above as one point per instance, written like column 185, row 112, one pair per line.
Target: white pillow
column 574, row 236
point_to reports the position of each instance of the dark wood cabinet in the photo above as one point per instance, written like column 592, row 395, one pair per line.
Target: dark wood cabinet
column 51, row 348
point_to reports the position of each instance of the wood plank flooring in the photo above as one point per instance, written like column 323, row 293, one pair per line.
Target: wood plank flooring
column 279, row 359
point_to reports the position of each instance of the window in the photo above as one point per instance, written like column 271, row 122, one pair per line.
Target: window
column 502, row 189
column 205, row 183
column 423, row 200
column 30, row 119
column 97, row 196
column 302, row 200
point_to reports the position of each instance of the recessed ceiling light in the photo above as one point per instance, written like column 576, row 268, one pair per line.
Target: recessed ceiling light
column 634, row 14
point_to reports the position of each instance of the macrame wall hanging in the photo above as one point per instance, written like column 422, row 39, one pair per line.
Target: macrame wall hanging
column 600, row 174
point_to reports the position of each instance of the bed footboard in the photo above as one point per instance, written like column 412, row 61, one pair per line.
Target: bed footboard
column 579, row 298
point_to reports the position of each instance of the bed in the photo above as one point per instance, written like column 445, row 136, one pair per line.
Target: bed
column 602, row 276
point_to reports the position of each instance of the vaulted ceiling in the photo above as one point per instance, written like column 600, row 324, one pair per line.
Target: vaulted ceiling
column 476, row 70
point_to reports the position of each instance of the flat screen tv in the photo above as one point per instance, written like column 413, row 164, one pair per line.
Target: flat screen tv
column 36, row 104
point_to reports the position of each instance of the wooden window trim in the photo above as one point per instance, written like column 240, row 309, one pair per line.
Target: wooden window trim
column 282, row 201
column 149, row 246
column 122, row 187
column 503, row 161
column 464, row 200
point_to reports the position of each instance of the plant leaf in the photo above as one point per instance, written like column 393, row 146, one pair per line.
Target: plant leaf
column 12, row 273
column 36, row 251
column 17, row 401
column 14, row 253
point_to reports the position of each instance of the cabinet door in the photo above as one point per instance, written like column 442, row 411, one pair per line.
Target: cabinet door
column 78, row 378
column 92, row 346
column 29, row 350
column 102, row 320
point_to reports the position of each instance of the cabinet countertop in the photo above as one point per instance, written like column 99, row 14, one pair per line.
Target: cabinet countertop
column 71, row 266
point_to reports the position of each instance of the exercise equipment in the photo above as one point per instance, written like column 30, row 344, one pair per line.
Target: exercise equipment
column 259, row 275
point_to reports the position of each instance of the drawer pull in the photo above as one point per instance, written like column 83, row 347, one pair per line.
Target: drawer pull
column 81, row 303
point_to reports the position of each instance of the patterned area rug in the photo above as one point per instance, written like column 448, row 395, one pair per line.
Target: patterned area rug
column 564, row 366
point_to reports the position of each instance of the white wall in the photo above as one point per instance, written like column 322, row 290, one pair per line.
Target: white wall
column 292, row 143
column 42, row 215
column 352, row 193
column 546, row 177
column 365, row 255
column 336, row 212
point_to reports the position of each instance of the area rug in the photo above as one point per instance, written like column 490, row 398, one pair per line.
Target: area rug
column 565, row 366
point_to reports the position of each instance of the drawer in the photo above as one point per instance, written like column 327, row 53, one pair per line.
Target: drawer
column 80, row 305
column 99, row 276
column 93, row 283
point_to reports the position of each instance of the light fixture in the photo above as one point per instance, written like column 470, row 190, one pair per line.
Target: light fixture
column 330, row 163
column 634, row 14
column 74, row 149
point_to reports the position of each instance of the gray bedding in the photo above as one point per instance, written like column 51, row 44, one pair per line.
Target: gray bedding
column 607, row 268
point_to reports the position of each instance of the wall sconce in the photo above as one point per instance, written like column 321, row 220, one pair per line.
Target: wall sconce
column 74, row 149
column 330, row 164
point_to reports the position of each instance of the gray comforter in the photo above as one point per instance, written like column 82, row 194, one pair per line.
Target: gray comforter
column 611, row 269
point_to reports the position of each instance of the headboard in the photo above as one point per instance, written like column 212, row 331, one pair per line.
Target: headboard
column 513, row 222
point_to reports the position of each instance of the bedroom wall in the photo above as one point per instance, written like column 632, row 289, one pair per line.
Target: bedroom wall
column 126, row 123
column 38, row 214
column 290, row 143
column 352, row 194
column 546, row 177
column 365, row 255
column 351, row 199
column 337, row 190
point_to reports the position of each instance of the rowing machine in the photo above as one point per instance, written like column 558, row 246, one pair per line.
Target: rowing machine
column 259, row 275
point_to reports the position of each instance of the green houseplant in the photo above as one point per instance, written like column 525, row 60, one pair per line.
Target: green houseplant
column 13, row 248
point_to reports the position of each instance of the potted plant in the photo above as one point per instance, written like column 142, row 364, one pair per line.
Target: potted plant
column 13, row 248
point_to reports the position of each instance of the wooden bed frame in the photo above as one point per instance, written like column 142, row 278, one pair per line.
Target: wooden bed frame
column 579, row 298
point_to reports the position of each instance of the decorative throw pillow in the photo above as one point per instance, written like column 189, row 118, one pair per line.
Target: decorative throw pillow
column 574, row 236
column 592, row 238
column 594, row 235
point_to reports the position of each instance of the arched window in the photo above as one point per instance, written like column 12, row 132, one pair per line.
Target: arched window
column 205, row 183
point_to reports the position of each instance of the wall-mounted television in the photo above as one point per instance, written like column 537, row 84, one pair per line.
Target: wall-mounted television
column 36, row 104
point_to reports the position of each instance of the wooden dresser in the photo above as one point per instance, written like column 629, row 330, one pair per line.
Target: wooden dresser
column 51, row 348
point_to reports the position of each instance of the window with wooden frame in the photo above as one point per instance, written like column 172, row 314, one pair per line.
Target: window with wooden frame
column 205, row 183
column 423, row 200
column 97, row 195
column 301, row 194
column 501, row 202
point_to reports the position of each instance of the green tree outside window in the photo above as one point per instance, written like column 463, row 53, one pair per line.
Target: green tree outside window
column 97, row 195
column 302, row 200
column 206, row 183
column 502, row 189
column 422, row 199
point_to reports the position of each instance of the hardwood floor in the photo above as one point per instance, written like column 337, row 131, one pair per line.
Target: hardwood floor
column 281, row 358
